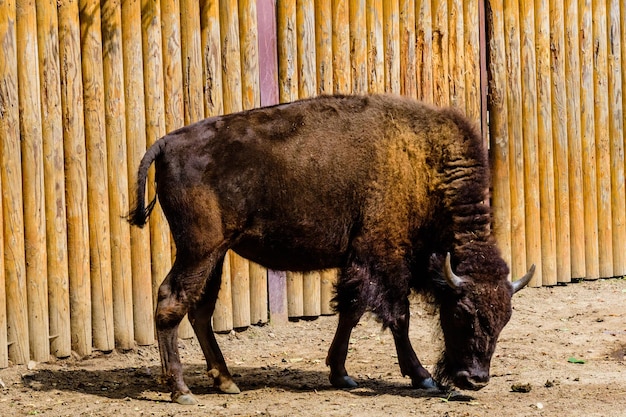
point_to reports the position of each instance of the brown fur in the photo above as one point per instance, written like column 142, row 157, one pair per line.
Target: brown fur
column 378, row 186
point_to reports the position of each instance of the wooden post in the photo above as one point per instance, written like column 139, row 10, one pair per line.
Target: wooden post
column 342, row 80
column 240, row 282
column 456, row 52
column 75, row 176
column 560, row 104
column 616, row 136
column 277, row 295
column 602, row 138
column 408, row 82
column 324, row 46
column 287, row 51
column 311, row 290
column 587, row 104
column 56, row 226
column 32, row 180
column 498, row 129
column 530, row 129
column 4, row 346
column 472, row 59
column 358, row 46
column 143, row 309
column 329, row 278
column 223, row 314
column 375, row 46
column 117, row 159
column 547, row 194
column 424, row 51
column 441, row 68
column 573, row 93
column 232, row 99
column 12, row 199
column 160, row 246
column 251, row 98
column 295, row 297
column 391, row 39
column 211, row 58
column 97, row 183
column 513, row 102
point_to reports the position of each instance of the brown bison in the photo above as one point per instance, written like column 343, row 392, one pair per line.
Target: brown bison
column 388, row 190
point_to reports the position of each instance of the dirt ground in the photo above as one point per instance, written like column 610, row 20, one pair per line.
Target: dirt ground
column 281, row 369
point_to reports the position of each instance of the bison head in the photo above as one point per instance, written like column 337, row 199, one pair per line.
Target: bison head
column 473, row 310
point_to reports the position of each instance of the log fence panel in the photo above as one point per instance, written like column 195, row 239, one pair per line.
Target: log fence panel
column 115, row 76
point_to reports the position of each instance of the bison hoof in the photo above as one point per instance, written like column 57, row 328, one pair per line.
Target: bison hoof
column 185, row 399
column 229, row 387
column 343, row 382
column 427, row 384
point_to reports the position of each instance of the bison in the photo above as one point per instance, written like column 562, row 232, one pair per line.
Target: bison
column 389, row 190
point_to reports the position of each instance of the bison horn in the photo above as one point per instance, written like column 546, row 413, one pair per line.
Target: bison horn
column 523, row 281
column 454, row 281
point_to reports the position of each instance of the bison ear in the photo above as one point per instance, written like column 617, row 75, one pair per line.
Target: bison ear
column 454, row 281
column 523, row 281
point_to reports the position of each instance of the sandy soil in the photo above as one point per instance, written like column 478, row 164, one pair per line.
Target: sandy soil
column 281, row 369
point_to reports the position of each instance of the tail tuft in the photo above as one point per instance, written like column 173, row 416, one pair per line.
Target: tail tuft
column 139, row 215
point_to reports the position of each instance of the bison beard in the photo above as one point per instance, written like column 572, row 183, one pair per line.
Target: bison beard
column 386, row 189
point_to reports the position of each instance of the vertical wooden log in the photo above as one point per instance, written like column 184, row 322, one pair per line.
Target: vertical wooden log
column 268, row 54
column 287, row 51
column 307, row 87
column 277, row 289
column 249, row 50
column 602, row 138
column 358, row 46
column 324, row 46
column 375, row 47
column 456, row 51
column 391, row 39
column 573, row 93
column 223, row 314
column 547, row 194
column 498, row 129
column 97, row 184
column 587, row 104
column 408, row 82
column 232, row 99
column 472, row 59
column 56, row 226
column 295, row 299
column 329, row 278
column 251, row 98
column 172, row 64
column 32, row 180
column 530, row 128
column 160, row 247
column 75, row 176
column 311, row 289
column 441, row 68
column 12, row 199
column 143, row 309
column 240, row 290
column 211, row 58
column 616, row 134
column 515, row 122
column 117, row 159
column 424, row 51
column 559, row 133
column 305, row 24
column 342, row 81
column 4, row 346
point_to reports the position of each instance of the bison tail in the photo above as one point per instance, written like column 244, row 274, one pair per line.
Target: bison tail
column 138, row 216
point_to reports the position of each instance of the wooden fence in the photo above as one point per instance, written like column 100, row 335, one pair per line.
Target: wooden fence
column 86, row 86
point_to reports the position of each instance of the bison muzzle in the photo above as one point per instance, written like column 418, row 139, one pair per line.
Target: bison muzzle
column 389, row 190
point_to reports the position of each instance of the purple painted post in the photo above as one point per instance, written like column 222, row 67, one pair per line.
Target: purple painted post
column 268, row 76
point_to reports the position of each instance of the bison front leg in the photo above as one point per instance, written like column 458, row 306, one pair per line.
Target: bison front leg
column 410, row 365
